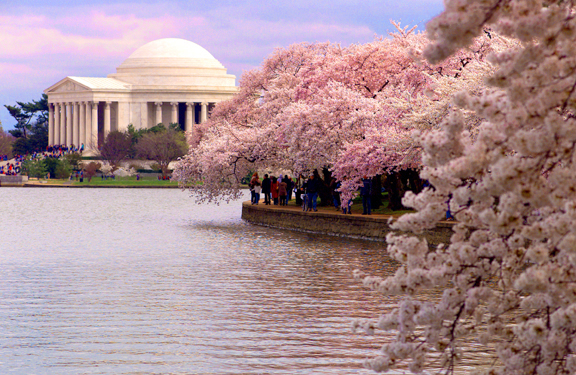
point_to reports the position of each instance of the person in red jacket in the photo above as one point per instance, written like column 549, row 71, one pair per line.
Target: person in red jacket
column 274, row 190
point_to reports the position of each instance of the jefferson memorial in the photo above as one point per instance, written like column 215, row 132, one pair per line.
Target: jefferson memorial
column 165, row 81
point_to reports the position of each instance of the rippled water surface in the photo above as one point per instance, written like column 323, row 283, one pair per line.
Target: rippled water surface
column 139, row 281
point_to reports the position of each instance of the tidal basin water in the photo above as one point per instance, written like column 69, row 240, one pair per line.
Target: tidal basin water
column 144, row 281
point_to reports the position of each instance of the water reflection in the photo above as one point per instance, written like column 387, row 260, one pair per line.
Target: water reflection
column 126, row 281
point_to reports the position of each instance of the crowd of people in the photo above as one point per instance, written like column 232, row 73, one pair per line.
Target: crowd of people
column 278, row 191
column 11, row 169
column 64, row 149
column 14, row 166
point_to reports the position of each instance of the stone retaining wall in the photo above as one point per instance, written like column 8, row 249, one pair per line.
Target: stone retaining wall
column 370, row 227
column 13, row 180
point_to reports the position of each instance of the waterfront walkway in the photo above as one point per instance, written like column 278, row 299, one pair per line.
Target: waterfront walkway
column 329, row 221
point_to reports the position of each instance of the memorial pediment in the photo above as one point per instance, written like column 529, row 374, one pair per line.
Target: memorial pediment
column 68, row 85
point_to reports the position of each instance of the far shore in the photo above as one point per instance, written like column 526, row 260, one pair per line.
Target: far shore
column 97, row 182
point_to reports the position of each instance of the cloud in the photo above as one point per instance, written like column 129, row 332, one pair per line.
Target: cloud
column 16, row 69
column 100, row 35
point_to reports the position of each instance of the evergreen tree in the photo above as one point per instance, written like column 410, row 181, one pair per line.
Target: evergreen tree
column 31, row 128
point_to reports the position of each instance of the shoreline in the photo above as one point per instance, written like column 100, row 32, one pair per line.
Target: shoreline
column 373, row 227
column 44, row 185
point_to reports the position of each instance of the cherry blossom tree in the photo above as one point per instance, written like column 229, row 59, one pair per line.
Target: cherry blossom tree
column 319, row 107
column 414, row 106
column 242, row 133
column 508, row 272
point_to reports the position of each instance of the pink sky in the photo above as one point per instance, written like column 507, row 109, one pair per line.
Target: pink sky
column 43, row 42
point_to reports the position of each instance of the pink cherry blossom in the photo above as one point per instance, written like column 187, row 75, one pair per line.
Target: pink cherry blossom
column 508, row 272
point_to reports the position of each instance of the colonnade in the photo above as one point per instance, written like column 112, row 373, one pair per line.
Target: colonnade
column 190, row 113
column 77, row 122
column 74, row 123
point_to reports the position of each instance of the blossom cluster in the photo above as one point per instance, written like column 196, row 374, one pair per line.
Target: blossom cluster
column 509, row 271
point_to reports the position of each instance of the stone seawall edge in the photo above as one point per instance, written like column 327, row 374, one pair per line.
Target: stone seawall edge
column 374, row 227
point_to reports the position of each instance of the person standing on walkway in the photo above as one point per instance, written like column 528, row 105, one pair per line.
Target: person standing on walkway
column 289, row 188
column 252, row 185
column 334, row 186
column 266, row 186
column 299, row 190
column 312, row 188
column 282, row 192
column 274, row 190
column 366, row 192
column 257, row 190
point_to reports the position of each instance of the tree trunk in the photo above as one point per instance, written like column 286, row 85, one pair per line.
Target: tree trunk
column 412, row 181
column 323, row 187
column 395, row 189
column 376, row 196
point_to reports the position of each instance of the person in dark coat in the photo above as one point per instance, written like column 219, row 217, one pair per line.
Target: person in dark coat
column 366, row 192
column 312, row 188
column 266, row 189
column 289, row 188
column 334, row 186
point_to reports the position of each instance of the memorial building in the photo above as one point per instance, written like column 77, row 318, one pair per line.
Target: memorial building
column 165, row 81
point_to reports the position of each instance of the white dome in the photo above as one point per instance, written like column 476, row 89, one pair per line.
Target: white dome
column 169, row 53
column 171, row 48
column 173, row 62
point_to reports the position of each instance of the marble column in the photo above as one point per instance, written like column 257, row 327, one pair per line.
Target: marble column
column 94, row 130
column 190, row 109
column 106, row 119
column 158, row 113
column 69, row 139
column 50, row 124
column 82, row 124
column 62, row 123
column 56, row 123
column 174, row 117
column 75, row 126
column 88, row 125
column 203, row 112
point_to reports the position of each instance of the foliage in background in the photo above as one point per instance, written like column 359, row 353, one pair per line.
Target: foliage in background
column 116, row 148
column 56, row 168
column 31, row 128
column 163, row 147
column 74, row 159
column 35, row 168
column 91, row 169
column 36, row 141
column 51, row 164
column 6, row 140
column 63, row 169
column 27, row 114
